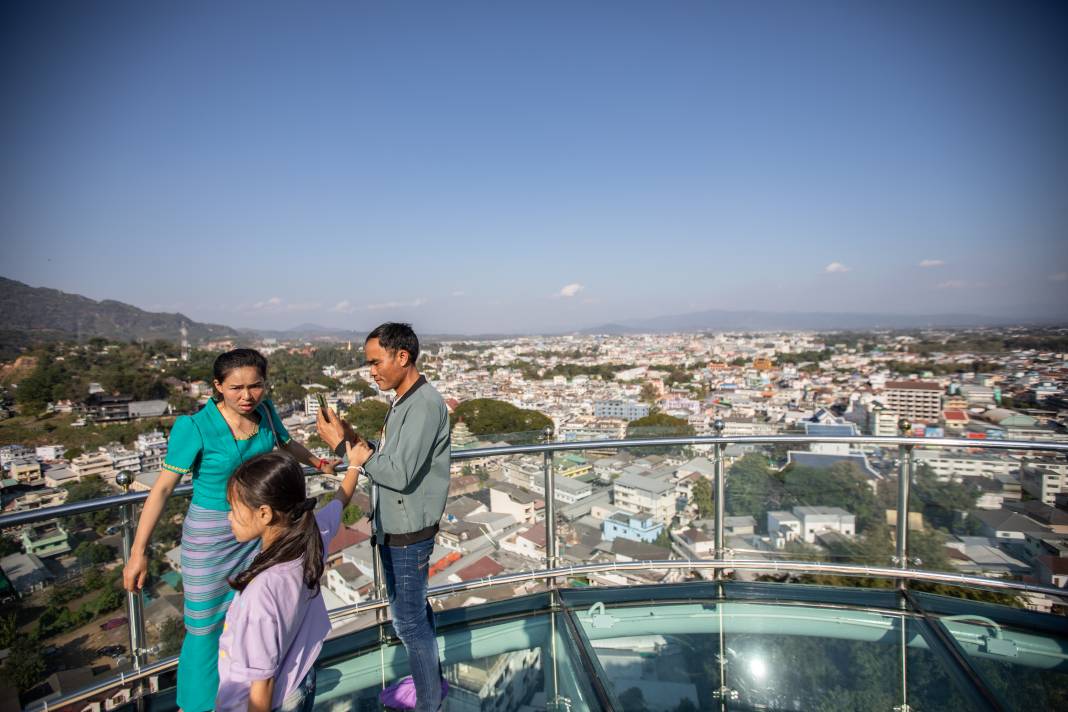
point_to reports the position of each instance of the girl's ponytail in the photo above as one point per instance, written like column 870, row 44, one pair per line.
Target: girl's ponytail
column 276, row 480
column 311, row 544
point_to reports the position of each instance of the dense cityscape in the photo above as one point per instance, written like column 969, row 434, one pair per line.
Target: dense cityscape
column 991, row 513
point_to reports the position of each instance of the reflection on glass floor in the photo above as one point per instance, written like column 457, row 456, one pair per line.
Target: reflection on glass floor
column 674, row 648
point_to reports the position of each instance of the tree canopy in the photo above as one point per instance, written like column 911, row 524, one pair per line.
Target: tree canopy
column 658, row 425
column 486, row 416
column 367, row 417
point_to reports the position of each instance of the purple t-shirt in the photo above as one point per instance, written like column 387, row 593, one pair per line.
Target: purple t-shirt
column 274, row 628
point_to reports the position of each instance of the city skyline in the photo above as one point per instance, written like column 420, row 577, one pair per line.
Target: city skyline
column 516, row 170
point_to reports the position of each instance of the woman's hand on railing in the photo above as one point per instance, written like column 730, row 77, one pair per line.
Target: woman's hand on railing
column 135, row 571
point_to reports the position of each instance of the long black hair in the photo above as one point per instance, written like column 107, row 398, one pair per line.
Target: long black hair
column 238, row 358
column 276, row 480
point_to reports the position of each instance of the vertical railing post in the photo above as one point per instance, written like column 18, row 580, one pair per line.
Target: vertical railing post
column 550, row 508
column 720, row 493
column 134, row 600
column 379, row 583
column 904, row 484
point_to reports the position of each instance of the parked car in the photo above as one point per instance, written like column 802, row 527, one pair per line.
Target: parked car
column 113, row 623
column 111, row 650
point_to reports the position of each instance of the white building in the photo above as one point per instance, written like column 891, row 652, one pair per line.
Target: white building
column 806, row 523
column 919, row 401
column 152, row 449
column 509, row 499
column 955, row 466
column 13, row 452
column 623, row 409
column 589, row 428
column 93, row 464
column 783, row 526
column 311, row 404
column 818, row 520
column 745, row 427
column 49, row 453
column 635, row 493
column 881, row 421
column 1043, row 483
column 345, row 581
column 123, row 460
column 567, row 489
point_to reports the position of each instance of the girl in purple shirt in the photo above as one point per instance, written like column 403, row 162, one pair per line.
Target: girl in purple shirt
column 277, row 621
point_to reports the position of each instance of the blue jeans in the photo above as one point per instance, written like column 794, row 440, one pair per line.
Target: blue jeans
column 406, row 571
column 301, row 699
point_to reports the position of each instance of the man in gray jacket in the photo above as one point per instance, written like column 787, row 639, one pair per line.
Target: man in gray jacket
column 409, row 472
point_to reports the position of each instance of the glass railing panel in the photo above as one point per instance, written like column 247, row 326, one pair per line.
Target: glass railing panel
column 528, row 661
column 494, row 522
column 634, row 502
column 64, row 622
column 958, row 497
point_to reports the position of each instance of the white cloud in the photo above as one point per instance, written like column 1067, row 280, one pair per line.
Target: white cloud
column 953, row 284
column 927, row 264
column 268, row 304
column 571, row 290
column 343, row 307
column 835, row 268
column 279, row 305
column 396, row 305
column 459, row 293
column 1059, row 277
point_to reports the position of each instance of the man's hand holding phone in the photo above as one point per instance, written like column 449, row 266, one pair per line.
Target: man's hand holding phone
column 334, row 430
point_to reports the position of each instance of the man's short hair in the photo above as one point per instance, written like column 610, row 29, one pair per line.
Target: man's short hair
column 395, row 336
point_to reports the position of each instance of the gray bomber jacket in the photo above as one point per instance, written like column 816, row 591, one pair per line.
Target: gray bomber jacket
column 410, row 467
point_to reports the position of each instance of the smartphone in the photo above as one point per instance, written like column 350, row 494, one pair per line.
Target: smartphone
column 323, row 407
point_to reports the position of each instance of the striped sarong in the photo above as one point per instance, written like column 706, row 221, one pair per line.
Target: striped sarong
column 210, row 556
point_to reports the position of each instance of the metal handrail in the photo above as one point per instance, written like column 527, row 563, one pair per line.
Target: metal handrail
column 800, row 567
column 885, row 440
column 552, row 572
column 93, row 505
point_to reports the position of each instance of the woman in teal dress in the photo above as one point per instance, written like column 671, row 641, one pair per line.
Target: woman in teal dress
column 238, row 424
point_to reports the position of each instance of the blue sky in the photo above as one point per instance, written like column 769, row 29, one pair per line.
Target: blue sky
column 528, row 167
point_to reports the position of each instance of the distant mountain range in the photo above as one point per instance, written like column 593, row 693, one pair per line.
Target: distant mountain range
column 42, row 314
column 723, row 320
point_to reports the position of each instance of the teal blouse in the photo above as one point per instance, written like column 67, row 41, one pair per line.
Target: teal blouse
column 202, row 444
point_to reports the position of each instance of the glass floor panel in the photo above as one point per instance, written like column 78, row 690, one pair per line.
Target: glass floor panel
column 683, row 647
column 1025, row 671
column 765, row 656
